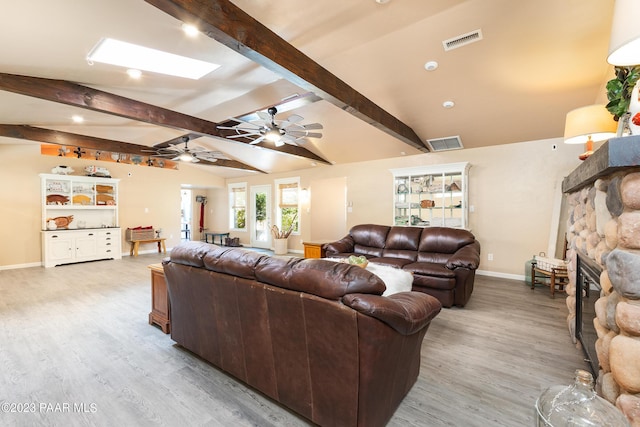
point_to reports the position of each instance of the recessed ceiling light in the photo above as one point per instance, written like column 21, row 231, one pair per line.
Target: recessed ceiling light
column 190, row 30
column 115, row 52
column 134, row 73
column 448, row 104
column 431, row 65
column 382, row 1
column 77, row 119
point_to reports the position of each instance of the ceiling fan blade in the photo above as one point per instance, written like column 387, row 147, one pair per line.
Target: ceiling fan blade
column 313, row 126
column 255, row 141
column 294, row 118
column 314, row 135
column 246, row 135
column 264, row 116
column 297, row 133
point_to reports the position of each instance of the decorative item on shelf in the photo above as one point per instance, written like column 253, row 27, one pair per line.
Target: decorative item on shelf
column 586, row 125
column 402, row 189
column 62, row 170
column 97, row 171
column 427, row 204
column 60, row 222
column 57, row 199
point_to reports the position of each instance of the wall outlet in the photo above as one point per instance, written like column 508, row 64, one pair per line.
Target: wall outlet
column 490, row 257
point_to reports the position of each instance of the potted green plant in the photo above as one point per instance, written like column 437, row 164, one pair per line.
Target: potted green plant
column 619, row 91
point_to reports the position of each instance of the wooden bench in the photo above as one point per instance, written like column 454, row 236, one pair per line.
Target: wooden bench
column 135, row 244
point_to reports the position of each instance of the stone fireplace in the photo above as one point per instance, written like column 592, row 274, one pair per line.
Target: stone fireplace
column 603, row 233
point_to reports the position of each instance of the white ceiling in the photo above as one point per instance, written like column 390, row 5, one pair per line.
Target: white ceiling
column 537, row 61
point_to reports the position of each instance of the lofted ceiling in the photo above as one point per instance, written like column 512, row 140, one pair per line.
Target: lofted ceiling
column 535, row 62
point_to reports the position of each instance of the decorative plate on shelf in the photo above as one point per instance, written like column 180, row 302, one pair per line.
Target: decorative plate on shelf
column 57, row 199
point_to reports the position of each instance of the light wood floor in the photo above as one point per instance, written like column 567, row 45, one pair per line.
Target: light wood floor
column 76, row 350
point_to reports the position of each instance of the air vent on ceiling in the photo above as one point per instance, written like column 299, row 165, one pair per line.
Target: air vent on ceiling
column 444, row 144
column 462, row 40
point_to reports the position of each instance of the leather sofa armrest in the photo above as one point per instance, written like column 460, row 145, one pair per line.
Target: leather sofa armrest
column 344, row 245
column 466, row 257
column 406, row 312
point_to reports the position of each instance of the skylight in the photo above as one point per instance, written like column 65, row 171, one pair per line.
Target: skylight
column 128, row 55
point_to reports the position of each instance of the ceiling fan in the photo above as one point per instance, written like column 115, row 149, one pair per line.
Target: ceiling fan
column 182, row 152
column 280, row 132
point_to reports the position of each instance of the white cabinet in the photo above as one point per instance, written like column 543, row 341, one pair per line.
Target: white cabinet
column 79, row 219
column 431, row 196
column 69, row 246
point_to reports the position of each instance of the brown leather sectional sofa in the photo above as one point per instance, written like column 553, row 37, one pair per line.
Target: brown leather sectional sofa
column 314, row 335
column 443, row 260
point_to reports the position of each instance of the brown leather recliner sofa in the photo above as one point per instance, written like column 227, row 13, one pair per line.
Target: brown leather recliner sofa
column 314, row 335
column 443, row 260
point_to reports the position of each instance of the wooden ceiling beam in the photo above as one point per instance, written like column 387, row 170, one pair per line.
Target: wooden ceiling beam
column 76, row 95
column 231, row 26
column 50, row 136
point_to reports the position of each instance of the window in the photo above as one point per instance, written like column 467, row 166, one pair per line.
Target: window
column 238, row 206
column 288, row 198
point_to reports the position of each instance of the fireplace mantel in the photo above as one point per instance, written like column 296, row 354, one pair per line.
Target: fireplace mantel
column 615, row 155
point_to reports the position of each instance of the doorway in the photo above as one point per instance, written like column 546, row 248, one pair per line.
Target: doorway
column 260, row 216
column 186, row 214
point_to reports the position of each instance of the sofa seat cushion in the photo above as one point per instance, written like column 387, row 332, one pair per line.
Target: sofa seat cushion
column 432, row 282
column 430, row 269
column 393, row 262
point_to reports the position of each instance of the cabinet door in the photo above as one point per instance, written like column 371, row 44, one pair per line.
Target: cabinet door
column 86, row 246
column 59, row 248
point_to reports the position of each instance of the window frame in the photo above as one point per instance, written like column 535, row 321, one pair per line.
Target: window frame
column 234, row 188
column 279, row 185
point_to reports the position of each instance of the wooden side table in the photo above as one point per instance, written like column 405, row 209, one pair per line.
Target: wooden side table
column 160, row 305
column 313, row 249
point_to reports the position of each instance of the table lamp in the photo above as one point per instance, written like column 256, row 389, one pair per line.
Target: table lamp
column 624, row 45
column 586, row 125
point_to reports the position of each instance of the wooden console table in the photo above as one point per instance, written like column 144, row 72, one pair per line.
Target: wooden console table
column 135, row 245
column 160, row 305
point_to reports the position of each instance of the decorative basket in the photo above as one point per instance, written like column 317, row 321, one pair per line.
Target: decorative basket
column 139, row 234
column 548, row 264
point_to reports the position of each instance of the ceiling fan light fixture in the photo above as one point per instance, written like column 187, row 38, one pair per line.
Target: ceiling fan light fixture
column 185, row 157
column 273, row 135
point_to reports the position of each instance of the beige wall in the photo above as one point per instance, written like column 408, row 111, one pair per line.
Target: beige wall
column 512, row 187
column 156, row 190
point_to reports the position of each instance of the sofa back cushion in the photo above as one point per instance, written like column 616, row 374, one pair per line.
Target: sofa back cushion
column 403, row 242
column 319, row 277
column 369, row 239
column 444, row 240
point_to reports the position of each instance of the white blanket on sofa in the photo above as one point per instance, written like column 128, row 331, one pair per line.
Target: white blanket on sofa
column 395, row 279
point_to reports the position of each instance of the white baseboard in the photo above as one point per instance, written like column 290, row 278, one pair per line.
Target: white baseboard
column 14, row 266
column 501, row 275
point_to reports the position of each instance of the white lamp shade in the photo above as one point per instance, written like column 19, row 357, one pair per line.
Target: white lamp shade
column 624, row 46
column 591, row 122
